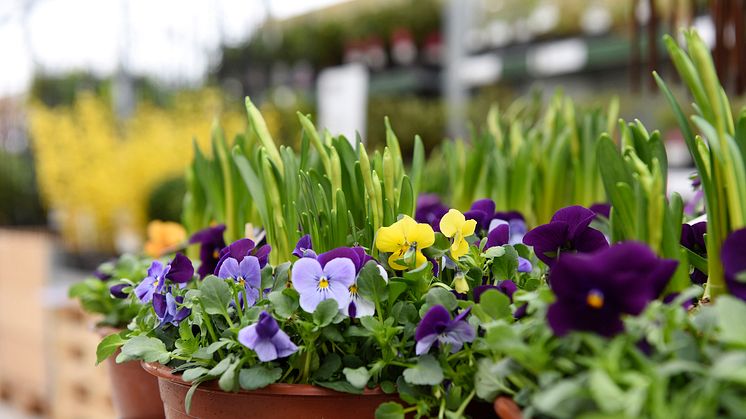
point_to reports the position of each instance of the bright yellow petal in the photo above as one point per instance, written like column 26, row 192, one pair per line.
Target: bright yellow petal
column 394, row 265
column 468, row 228
column 422, row 234
column 451, row 222
column 405, row 224
column 459, row 248
column 389, row 239
column 461, row 285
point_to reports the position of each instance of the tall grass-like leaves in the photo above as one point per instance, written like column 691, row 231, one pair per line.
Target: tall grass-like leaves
column 635, row 181
column 526, row 160
column 717, row 149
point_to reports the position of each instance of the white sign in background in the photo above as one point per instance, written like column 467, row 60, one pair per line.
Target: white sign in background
column 343, row 100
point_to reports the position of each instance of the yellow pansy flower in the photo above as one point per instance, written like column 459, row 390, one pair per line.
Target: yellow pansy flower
column 163, row 237
column 460, row 284
column 454, row 225
column 403, row 235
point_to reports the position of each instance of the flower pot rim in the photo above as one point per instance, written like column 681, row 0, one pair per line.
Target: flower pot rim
column 278, row 389
column 105, row 330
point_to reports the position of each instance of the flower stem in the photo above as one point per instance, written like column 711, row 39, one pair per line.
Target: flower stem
column 460, row 411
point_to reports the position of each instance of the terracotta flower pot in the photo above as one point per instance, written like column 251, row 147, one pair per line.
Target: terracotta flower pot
column 298, row 401
column 506, row 408
column 134, row 392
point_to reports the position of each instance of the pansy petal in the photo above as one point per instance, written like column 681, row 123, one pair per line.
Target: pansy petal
column 451, row 223
column 265, row 350
column 248, row 336
column 590, row 240
column 340, row 252
column 498, row 236
column 547, row 239
column 389, row 239
column 734, row 262
column 144, row 290
column 434, row 319
column 424, row 344
column 160, row 305
column 485, row 205
column 340, row 293
column 181, row 270
column 250, row 271
column 340, row 270
column 576, row 217
column 283, row 345
column 229, row 269
column 305, row 275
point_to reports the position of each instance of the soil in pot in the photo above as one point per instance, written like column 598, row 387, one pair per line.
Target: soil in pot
column 134, row 392
column 281, row 401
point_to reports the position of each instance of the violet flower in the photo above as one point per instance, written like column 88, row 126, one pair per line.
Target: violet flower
column 568, row 231
column 247, row 273
column 211, row 242
column 315, row 283
column 241, row 248
column 430, row 210
column 167, row 308
column 693, row 238
column 436, row 327
column 179, row 270
column 266, row 339
column 304, row 248
column 601, row 209
column 116, row 291
column 482, row 211
column 358, row 306
column 734, row 263
column 594, row 290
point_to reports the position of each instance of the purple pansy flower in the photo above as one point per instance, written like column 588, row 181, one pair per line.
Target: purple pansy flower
column 567, row 232
column 693, row 238
column 436, row 327
column 691, row 206
column 482, row 211
column 179, row 270
column 246, row 273
column 734, row 262
column 304, row 248
column 358, row 306
column 594, row 290
column 116, row 291
column 430, row 210
column 315, row 283
column 266, row 339
column 241, row 248
column 211, row 242
column 101, row 275
column 167, row 308
column 601, row 209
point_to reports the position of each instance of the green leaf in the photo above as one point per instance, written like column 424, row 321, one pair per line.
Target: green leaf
column 439, row 296
column 358, row 377
column 390, row 410
column 227, row 381
column 258, row 376
column 396, row 288
column 144, row 348
column 331, row 364
column 731, row 313
column 194, row 373
column 607, row 394
column 215, row 295
column 426, row 372
column 206, row 353
column 325, row 312
column 108, row 346
column 505, row 266
column 341, row 386
column 370, row 283
column 491, row 378
column 283, row 302
column 495, row 304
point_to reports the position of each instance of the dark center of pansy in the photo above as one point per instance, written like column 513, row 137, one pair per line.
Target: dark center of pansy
column 595, row 299
column 155, row 283
column 440, row 328
column 323, row 283
column 353, row 289
column 216, row 254
column 241, row 280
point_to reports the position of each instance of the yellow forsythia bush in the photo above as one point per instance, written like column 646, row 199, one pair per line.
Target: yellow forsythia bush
column 95, row 172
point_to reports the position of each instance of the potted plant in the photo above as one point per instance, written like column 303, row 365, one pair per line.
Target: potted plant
column 106, row 294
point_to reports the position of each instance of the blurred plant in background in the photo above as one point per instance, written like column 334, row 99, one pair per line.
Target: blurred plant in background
column 96, row 173
column 19, row 199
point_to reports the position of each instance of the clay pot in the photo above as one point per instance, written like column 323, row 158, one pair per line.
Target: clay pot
column 298, row 401
column 134, row 392
column 506, row 408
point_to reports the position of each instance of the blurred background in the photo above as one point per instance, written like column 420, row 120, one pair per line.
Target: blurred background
column 100, row 102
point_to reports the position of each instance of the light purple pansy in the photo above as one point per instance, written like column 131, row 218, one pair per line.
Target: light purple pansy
column 266, row 339
column 167, row 308
column 179, row 271
column 246, row 273
column 437, row 327
column 242, row 248
column 304, row 248
column 358, row 306
column 315, row 283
